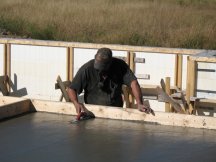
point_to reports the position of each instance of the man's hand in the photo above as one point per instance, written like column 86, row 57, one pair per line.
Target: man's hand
column 79, row 107
column 144, row 108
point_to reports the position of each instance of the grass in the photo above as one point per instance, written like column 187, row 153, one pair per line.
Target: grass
column 164, row 23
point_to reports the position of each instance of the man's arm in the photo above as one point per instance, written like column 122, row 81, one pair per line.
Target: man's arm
column 74, row 99
column 136, row 90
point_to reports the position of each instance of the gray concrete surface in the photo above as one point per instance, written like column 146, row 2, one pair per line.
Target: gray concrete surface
column 44, row 137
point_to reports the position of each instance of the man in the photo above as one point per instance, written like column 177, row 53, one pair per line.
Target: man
column 102, row 79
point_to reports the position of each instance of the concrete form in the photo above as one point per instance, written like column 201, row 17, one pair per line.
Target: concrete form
column 20, row 105
column 33, row 66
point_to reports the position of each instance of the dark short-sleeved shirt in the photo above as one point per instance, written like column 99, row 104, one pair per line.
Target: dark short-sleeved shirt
column 110, row 94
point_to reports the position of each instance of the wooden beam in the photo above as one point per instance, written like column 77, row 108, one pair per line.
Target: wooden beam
column 14, row 109
column 150, row 90
column 97, row 46
column 188, row 81
column 206, row 103
column 132, row 67
column 180, row 65
column 165, row 97
column 128, row 58
column 206, row 56
column 178, row 71
column 167, row 89
column 7, row 62
column 193, row 78
column 8, row 99
column 3, row 85
column 191, row 83
column 66, row 84
column 70, row 63
column 171, row 119
column 125, row 91
column 63, row 89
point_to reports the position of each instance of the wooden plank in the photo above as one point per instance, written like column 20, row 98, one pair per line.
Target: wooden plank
column 132, row 67
column 107, row 112
column 3, row 85
column 190, row 84
column 14, row 109
column 201, row 59
column 193, row 83
column 128, row 58
column 96, row 46
column 63, row 89
column 178, row 71
column 206, row 103
column 167, row 90
column 7, row 62
column 206, row 56
column 180, row 64
column 188, row 81
column 70, row 63
column 66, row 84
column 167, row 98
column 193, row 75
column 8, row 99
column 125, row 91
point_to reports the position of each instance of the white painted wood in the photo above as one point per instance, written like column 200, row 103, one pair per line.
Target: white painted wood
column 157, row 65
column 206, row 80
column 81, row 56
column 156, row 105
column 36, row 69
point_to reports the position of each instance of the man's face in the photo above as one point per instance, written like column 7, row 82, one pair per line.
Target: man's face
column 101, row 63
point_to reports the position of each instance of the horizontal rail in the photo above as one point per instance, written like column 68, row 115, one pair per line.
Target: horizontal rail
column 96, row 46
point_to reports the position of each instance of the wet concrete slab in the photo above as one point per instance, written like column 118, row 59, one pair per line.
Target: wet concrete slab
column 51, row 137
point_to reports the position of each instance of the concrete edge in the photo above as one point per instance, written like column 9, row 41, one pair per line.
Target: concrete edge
column 22, row 105
column 171, row 119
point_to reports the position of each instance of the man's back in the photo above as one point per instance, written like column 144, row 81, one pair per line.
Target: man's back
column 103, row 88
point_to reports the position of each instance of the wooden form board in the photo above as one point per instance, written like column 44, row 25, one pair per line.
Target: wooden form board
column 14, row 108
column 131, row 59
column 209, row 56
column 171, row 119
column 178, row 71
column 8, row 99
column 96, row 46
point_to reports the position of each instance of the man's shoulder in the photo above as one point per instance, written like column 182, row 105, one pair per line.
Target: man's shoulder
column 119, row 62
column 88, row 64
